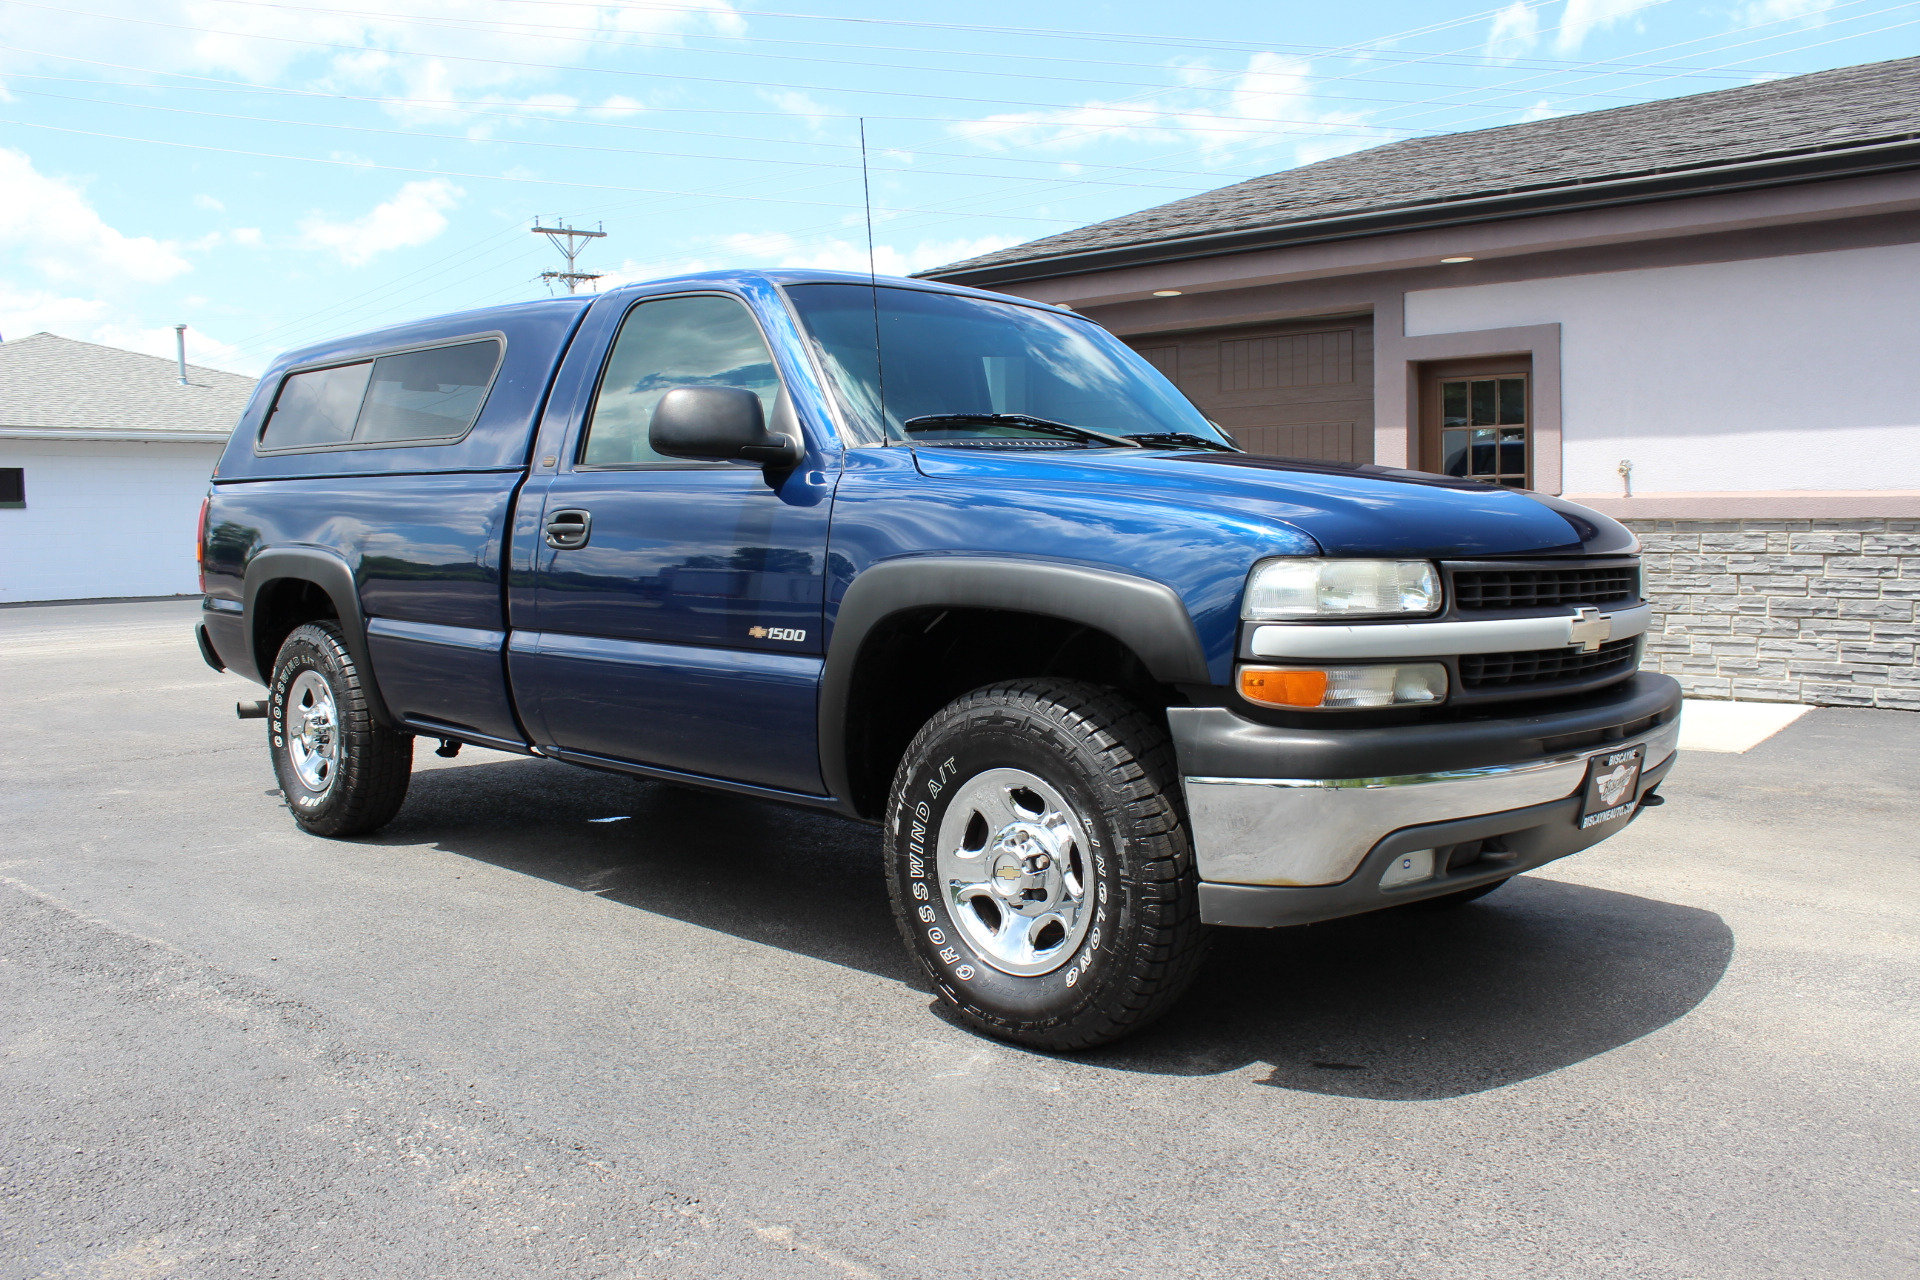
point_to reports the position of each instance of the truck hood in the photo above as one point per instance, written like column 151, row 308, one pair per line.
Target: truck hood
column 1349, row 509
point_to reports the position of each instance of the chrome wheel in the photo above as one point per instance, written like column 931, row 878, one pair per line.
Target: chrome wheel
column 1014, row 864
column 313, row 731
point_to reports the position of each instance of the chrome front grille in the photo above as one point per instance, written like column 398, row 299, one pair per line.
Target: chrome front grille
column 1482, row 590
column 1543, row 666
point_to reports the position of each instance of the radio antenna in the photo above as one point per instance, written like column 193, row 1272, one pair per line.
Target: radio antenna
column 873, row 281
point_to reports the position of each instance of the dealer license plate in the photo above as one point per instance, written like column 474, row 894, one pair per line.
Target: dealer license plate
column 1613, row 777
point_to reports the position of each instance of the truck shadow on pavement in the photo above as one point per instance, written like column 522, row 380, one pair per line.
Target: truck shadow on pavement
column 1400, row 1005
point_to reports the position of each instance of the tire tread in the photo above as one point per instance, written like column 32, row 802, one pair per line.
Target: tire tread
column 1139, row 761
column 378, row 763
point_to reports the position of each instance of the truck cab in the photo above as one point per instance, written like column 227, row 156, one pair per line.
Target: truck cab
column 954, row 563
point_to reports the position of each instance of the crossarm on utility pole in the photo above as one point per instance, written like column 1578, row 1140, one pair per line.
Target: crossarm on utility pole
column 567, row 240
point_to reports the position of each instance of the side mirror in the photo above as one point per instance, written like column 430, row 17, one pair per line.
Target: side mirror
column 721, row 424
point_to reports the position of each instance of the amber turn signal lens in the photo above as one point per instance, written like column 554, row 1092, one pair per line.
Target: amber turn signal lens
column 1345, row 688
column 1276, row 688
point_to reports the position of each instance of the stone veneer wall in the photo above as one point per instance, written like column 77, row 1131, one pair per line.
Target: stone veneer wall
column 1818, row 611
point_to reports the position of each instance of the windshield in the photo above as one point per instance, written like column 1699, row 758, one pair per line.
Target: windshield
column 942, row 354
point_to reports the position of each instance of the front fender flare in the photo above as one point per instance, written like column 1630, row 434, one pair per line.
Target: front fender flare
column 328, row 571
column 1148, row 617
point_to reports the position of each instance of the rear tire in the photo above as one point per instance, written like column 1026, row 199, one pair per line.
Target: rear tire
column 1039, row 864
column 342, row 772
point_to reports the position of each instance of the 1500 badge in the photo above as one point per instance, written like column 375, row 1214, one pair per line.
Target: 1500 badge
column 777, row 633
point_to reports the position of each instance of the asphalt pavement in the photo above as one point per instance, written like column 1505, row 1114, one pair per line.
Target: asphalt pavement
column 553, row 1023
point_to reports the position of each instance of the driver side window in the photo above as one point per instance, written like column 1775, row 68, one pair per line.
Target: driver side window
column 701, row 341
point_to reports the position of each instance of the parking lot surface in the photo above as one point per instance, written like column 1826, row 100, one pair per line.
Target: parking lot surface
column 557, row 1023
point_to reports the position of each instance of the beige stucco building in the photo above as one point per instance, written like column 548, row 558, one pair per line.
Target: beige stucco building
column 1709, row 302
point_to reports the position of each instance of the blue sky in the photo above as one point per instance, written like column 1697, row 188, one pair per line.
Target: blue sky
column 271, row 173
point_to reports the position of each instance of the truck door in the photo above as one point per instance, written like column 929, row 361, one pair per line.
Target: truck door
column 676, row 605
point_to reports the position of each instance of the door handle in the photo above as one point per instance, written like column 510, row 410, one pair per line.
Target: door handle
column 568, row 530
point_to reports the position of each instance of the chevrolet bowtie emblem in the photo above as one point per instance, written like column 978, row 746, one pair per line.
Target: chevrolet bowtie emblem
column 1589, row 628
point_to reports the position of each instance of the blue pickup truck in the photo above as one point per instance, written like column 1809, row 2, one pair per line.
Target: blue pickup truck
column 958, row 564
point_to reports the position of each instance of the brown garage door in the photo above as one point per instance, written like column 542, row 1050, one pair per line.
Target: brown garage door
column 1303, row 389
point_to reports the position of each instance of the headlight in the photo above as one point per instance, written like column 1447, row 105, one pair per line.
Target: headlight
column 1331, row 688
column 1287, row 589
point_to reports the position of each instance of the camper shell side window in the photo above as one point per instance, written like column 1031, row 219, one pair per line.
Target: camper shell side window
column 425, row 395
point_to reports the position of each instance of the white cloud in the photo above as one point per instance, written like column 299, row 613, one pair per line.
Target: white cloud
column 795, row 103
column 414, row 216
column 209, row 203
column 53, row 228
column 1581, row 18
column 1271, row 93
column 92, row 320
column 473, row 44
column 553, row 104
column 1808, row 13
column 159, row 341
column 249, row 236
column 1516, row 30
column 22, row 313
column 617, row 107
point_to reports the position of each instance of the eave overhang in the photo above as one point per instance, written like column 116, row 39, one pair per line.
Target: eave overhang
column 1885, row 156
column 87, row 433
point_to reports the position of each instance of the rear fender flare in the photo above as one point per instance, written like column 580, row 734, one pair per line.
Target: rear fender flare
column 333, row 575
column 1148, row 617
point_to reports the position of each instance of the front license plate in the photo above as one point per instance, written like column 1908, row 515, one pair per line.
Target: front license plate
column 1612, row 779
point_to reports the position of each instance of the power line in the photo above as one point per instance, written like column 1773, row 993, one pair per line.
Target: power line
column 600, row 36
column 952, row 211
column 569, row 146
column 483, row 177
column 1378, row 49
column 637, row 40
column 657, row 75
column 393, row 285
column 236, row 87
column 909, row 215
column 1756, row 40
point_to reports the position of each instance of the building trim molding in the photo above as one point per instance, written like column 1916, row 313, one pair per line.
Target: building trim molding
column 88, row 433
column 1782, row 504
column 1895, row 156
column 1397, row 361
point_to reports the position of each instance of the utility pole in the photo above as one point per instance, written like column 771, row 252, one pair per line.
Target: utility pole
column 567, row 240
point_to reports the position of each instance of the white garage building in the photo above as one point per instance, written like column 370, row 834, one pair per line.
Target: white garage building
column 104, row 457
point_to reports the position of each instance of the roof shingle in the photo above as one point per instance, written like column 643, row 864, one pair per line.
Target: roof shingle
column 1823, row 111
column 59, row 383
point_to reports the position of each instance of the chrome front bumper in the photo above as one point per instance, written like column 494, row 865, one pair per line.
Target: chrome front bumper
column 1298, row 822
column 1316, row 831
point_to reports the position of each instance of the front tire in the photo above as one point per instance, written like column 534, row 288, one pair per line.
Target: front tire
column 342, row 772
column 1039, row 866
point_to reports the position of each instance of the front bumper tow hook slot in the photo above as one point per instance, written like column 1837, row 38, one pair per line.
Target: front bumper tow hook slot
column 250, row 710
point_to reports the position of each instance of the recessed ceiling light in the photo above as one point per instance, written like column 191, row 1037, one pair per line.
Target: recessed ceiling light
column 1166, row 293
column 1456, row 259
